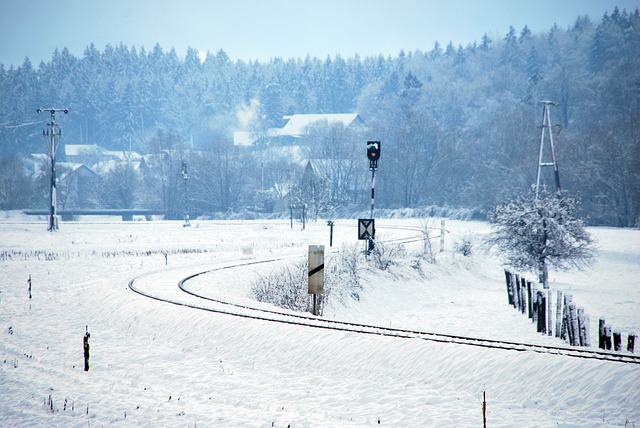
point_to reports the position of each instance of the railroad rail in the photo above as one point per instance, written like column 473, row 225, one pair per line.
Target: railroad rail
column 214, row 305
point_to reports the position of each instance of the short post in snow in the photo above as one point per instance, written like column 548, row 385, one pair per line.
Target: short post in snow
column 601, row 333
column 330, row 223
column 631, row 342
column 484, row 409
column 316, row 274
column 29, row 286
column 86, row 348
column 617, row 340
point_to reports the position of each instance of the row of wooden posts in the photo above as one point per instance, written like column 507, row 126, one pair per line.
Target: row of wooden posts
column 571, row 323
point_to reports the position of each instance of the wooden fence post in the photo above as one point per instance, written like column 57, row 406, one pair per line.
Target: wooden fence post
column 542, row 312
column 565, row 318
column 559, row 314
column 575, row 332
column 507, row 277
column 534, row 304
column 523, row 292
column 601, row 333
column 516, row 292
column 549, row 314
column 581, row 327
column 587, row 335
column 530, row 299
column 607, row 338
column 539, row 316
column 617, row 340
column 631, row 342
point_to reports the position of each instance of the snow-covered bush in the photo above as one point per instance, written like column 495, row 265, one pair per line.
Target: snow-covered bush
column 285, row 288
column 464, row 246
column 342, row 277
column 384, row 255
column 427, row 245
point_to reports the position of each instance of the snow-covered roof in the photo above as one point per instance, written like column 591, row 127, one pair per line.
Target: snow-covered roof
column 297, row 124
column 123, row 154
column 82, row 149
column 65, row 169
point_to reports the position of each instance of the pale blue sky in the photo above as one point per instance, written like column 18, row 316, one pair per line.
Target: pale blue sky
column 263, row 29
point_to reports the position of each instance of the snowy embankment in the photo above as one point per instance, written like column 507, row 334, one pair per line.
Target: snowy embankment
column 157, row 364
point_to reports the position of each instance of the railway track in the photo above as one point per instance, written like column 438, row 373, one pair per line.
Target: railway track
column 175, row 290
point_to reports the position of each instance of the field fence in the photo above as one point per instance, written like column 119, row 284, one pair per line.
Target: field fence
column 568, row 321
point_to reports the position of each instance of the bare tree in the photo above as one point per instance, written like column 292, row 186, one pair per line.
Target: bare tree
column 535, row 233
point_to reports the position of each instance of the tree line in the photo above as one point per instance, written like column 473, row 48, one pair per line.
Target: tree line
column 460, row 125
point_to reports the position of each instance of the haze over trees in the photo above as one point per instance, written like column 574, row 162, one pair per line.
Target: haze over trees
column 460, row 124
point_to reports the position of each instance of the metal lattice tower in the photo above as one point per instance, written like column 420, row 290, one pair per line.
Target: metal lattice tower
column 547, row 129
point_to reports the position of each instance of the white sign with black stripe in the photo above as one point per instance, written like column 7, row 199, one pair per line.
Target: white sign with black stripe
column 316, row 269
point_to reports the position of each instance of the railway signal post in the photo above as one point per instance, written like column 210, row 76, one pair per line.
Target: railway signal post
column 373, row 153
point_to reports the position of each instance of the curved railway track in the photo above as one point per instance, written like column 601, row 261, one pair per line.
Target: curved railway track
column 178, row 293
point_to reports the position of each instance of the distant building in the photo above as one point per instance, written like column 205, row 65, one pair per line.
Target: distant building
column 296, row 128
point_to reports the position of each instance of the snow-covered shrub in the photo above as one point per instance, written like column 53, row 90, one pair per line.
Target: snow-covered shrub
column 465, row 245
column 384, row 255
column 285, row 288
column 427, row 246
column 342, row 276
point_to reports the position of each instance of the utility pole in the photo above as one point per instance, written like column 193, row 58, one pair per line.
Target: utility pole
column 52, row 133
column 546, row 128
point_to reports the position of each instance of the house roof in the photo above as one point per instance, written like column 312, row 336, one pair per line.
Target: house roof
column 72, row 150
column 297, row 124
column 82, row 149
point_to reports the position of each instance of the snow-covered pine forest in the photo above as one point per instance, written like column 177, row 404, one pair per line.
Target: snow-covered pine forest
column 459, row 124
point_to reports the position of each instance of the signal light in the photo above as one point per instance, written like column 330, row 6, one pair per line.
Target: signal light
column 373, row 150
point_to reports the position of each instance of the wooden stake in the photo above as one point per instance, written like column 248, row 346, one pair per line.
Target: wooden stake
column 559, row 313
column 575, row 331
column 549, row 310
column 631, row 342
column 484, row 409
column 530, row 299
column 617, row 340
column 587, row 335
column 601, row 333
column 507, row 277
column 607, row 338
column 581, row 328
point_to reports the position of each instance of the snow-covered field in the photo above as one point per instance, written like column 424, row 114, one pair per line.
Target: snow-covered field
column 157, row 364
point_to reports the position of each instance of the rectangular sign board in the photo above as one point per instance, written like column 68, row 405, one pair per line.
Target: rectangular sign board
column 366, row 228
column 316, row 269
